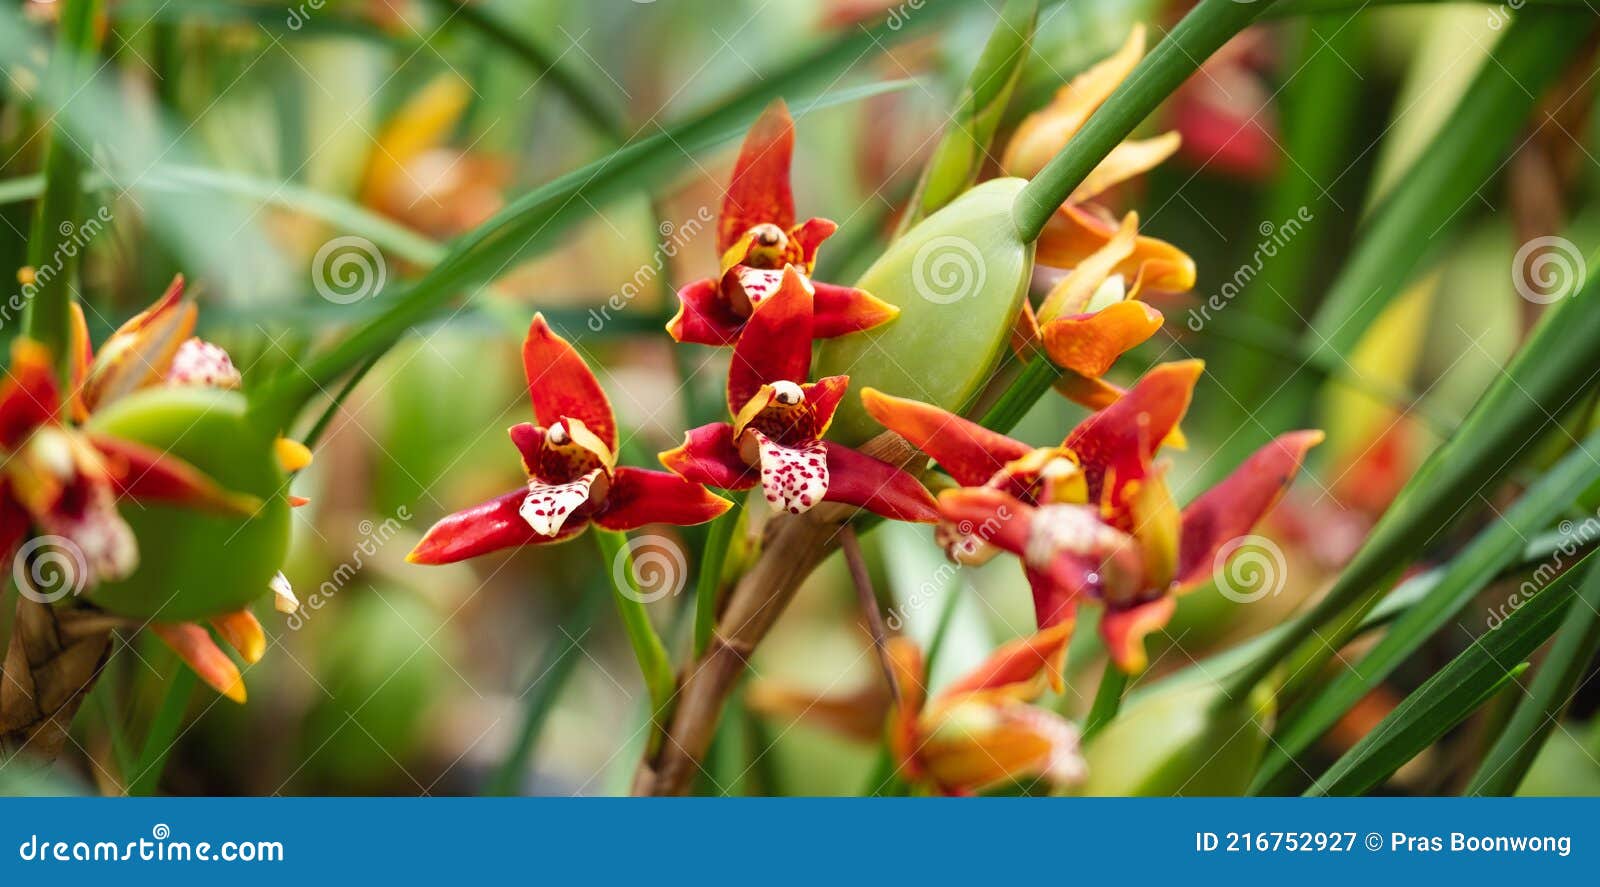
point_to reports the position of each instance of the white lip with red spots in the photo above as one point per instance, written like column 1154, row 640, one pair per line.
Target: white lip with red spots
column 1075, row 529
column 548, row 506
column 201, row 363
column 794, row 479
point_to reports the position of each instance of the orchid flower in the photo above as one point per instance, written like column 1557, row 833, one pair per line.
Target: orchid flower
column 156, row 348
column 779, row 419
column 1094, row 314
column 570, row 458
column 758, row 239
column 977, row 734
column 1093, row 516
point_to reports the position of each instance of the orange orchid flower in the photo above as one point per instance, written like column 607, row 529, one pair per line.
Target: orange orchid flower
column 758, row 239
column 779, row 419
column 570, row 458
column 1093, row 516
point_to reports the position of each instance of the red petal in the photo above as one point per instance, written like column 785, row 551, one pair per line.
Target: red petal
column 775, row 345
column 760, row 192
column 528, row 438
column 968, row 451
column 824, row 395
column 996, row 517
column 1231, row 508
column 30, row 397
column 194, row 646
column 638, row 497
column 1124, row 630
column 704, row 317
column 844, row 309
column 860, row 480
column 1124, row 437
column 14, row 523
column 809, row 235
column 560, row 383
column 142, row 473
column 1088, row 344
column 491, row 526
column 1056, row 591
column 243, row 633
column 708, row 456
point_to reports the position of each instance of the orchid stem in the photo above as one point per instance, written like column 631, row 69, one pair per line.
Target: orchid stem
column 709, row 582
column 647, row 647
column 1036, row 378
column 163, row 733
column 1107, row 700
column 868, row 600
column 1200, row 34
column 314, row 436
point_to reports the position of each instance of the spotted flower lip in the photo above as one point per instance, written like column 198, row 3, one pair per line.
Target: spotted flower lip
column 569, row 457
column 1115, row 537
column 779, row 420
column 758, row 238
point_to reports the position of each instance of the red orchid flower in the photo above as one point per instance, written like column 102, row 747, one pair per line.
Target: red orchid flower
column 570, row 458
column 1093, row 517
column 779, row 420
column 758, row 238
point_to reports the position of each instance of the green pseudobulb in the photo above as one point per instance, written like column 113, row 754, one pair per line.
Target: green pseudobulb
column 195, row 564
column 958, row 278
column 1180, row 740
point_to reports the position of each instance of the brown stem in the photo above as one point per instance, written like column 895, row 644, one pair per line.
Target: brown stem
column 869, row 606
column 792, row 547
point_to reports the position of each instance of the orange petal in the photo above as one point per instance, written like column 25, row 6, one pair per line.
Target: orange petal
column 1046, row 131
column 424, row 122
column 1074, row 292
column 968, row 451
column 1013, row 667
column 82, row 353
column 1124, row 630
column 760, row 191
column 859, row 715
column 194, row 646
column 1076, row 232
column 1092, row 394
column 840, row 310
column 243, row 633
column 1121, row 439
column 292, row 454
column 975, row 745
column 141, row 350
column 1128, row 160
column 561, row 385
column 1088, row 344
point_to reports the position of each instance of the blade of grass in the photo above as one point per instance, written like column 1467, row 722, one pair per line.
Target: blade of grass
column 47, row 316
column 1452, row 694
column 145, row 776
column 1468, row 149
column 1576, row 643
column 1107, row 700
column 1545, row 380
column 1469, row 573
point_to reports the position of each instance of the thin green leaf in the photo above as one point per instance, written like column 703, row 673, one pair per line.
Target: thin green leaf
column 708, row 582
column 1418, row 214
column 959, row 157
column 1545, row 380
column 1447, row 698
column 1576, row 644
column 1107, row 700
column 1469, row 572
column 145, row 776
column 617, row 558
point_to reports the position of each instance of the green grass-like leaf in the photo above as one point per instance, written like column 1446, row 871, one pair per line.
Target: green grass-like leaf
column 1447, row 698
